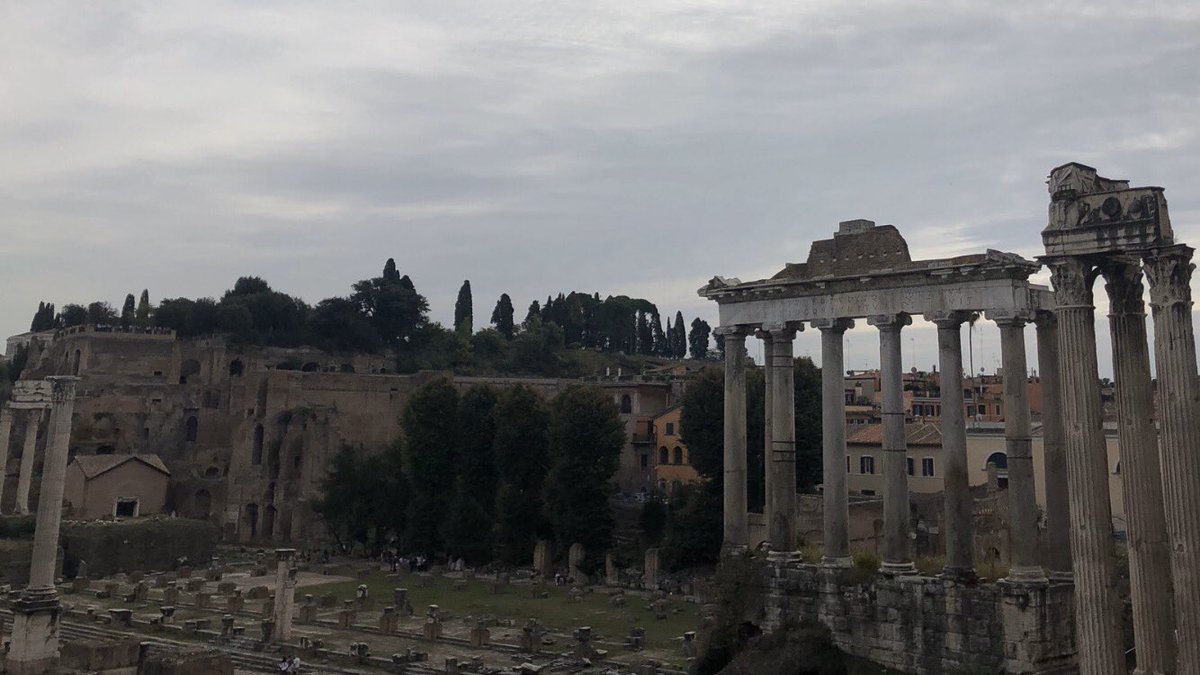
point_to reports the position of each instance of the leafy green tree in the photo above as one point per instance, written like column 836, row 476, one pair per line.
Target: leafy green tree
column 101, row 313
column 127, row 311
column 536, row 348
column 44, row 318
column 808, row 423
column 276, row 318
column 652, row 522
column 535, row 312
column 463, row 312
column 141, row 315
column 338, row 324
column 362, row 497
column 522, row 461
column 72, row 315
column 698, row 338
column 393, row 306
column 430, row 422
column 586, row 437
column 472, row 510
column 502, row 316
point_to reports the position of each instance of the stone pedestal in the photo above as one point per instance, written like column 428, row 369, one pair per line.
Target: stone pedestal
column 736, row 531
column 1097, row 604
column 833, row 442
column 896, row 556
column 285, row 593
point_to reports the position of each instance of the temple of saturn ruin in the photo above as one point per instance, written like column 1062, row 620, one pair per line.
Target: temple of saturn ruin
column 1064, row 569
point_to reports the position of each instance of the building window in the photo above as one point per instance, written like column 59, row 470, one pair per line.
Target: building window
column 970, row 411
column 847, row 464
column 670, row 428
column 867, row 493
column 256, row 457
column 866, row 464
column 678, row 455
column 191, row 429
column 645, row 461
column 927, row 467
column 908, row 463
column 626, row 404
column 126, row 508
column 663, row 456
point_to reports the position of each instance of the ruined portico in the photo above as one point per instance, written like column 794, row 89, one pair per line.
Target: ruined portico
column 866, row 272
column 34, row 645
column 1100, row 227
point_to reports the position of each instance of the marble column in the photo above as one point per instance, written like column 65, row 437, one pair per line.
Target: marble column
column 1169, row 271
column 1018, row 444
column 28, row 458
column 736, row 532
column 833, row 441
column 768, row 408
column 1054, row 458
column 34, row 644
column 1141, row 471
column 285, row 593
column 960, row 538
column 5, row 432
column 1097, row 602
column 897, row 558
column 781, row 463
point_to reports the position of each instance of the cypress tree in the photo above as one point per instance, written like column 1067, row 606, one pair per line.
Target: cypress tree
column 389, row 271
column 586, row 436
column 463, row 312
column 535, row 311
column 522, row 460
column 127, row 311
column 680, row 343
column 142, row 314
column 502, row 316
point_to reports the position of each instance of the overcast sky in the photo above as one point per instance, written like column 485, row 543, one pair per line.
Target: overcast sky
column 635, row 147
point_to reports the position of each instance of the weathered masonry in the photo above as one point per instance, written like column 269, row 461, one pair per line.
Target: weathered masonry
column 1097, row 227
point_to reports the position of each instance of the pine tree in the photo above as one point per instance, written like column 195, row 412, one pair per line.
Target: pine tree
column 128, row 310
column 463, row 311
column 535, row 312
column 141, row 315
column 502, row 316
column 698, row 338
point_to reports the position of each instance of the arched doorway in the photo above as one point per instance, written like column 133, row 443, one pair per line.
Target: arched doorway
column 236, row 367
column 268, row 525
column 203, row 503
column 250, row 520
column 191, row 428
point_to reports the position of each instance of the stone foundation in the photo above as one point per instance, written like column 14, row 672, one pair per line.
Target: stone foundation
column 928, row 625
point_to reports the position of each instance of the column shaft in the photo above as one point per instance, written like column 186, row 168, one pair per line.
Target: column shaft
column 896, row 557
column 781, row 464
column 833, row 443
column 1097, row 602
column 736, row 534
column 28, row 457
column 768, row 410
column 5, row 432
column 1141, row 474
column 54, row 473
column 1054, row 460
column 1169, row 272
column 1022, row 493
column 960, row 539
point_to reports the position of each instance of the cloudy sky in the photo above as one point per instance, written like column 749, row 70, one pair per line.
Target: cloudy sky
column 635, row 146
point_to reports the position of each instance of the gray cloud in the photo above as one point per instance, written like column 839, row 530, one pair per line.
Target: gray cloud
column 534, row 147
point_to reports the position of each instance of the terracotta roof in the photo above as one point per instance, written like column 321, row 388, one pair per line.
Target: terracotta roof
column 94, row 465
column 921, row 433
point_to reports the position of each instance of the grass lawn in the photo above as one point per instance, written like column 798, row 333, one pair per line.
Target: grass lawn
column 609, row 624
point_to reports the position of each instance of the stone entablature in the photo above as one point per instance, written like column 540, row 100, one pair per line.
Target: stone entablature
column 928, row 625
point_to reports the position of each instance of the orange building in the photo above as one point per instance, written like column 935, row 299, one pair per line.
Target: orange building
column 673, row 466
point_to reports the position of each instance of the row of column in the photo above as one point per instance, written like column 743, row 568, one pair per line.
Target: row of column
column 33, row 418
column 1159, row 471
column 897, row 559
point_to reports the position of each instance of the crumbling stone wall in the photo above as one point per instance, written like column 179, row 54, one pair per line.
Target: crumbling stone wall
column 927, row 625
column 143, row 544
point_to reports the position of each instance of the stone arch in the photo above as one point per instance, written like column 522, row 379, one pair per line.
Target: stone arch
column 256, row 457
column 677, row 455
column 1000, row 459
column 664, row 455
column 310, row 367
column 346, row 368
column 626, row 404
column 212, row 472
column 236, row 367
column 203, row 503
column 75, row 362
column 187, row 369
column 268, row 524
column 251, row 520
column 191, row 429
column 106, row 449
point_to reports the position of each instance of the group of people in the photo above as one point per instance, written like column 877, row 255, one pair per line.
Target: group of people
column 417, row 563
column 289, row 666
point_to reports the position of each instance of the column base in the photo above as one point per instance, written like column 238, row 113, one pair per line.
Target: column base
column 33, row 648
column 899, row 569
column 1026, row 575
column 962, row 575
column 839, row 562
column 733, row 549
column 1061, row 577
column 783, row 556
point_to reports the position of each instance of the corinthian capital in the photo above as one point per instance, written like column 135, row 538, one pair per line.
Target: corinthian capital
column 1123, row 281
column 62, row 388
column 1169, row 271
column 1072, row 280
